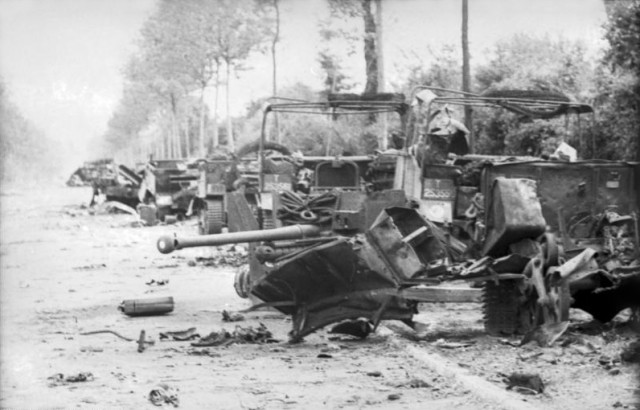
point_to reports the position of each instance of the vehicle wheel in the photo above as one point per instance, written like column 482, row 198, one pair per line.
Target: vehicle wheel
column 211, row 218
column 507, row 308
column 241, row 282
column 162, row 213
column 268, row 220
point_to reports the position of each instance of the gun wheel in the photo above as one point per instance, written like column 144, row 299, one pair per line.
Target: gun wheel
column 507, row 308
column 241, row 282
column 211, row 217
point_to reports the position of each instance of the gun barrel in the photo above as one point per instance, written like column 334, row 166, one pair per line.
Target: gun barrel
column 168, row 244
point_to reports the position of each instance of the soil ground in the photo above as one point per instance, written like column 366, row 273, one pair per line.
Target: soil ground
column 65, row 271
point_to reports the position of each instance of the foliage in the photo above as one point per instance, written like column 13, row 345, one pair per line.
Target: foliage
column 180, row 51
column 25, row 153
column 617, row 129
column 533, row 63
column 441, row 70
column 347, row 12
column 623, row 35
column 530, row 62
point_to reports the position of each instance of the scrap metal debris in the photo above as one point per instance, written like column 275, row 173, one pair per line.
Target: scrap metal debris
column 232, row 317
column 360, row 328
column 180, row 335
column 147, row 307
column 142, row 341
column 59, row 379
column 163, row 394
column 546, row 334
column 525, row 383
column 240, row 335
column 231, row 258
column 160, row 282
column 91, row 267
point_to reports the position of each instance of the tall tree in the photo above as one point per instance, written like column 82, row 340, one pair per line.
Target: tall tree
column 466, row 68
column 243, row 26
column 619, row 83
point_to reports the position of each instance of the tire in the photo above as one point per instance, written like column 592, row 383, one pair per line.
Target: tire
column 268, row 145
column 241, row 282
column 211, row 217
column 507, row 310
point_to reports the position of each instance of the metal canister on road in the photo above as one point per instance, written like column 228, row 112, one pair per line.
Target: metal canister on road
column 147, row 307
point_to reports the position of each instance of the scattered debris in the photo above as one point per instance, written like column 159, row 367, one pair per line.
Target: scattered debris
column 452, row 345
column 160, row 282
column 525, row 383
column 147, row 307
column 231, row 258
column 240, row 335
column 330, row 347
column 358, row 328
column 113, row 332
column 414, row 384
column 141, row 341
column 59, row 379
column 92, row 349
column 180, row 335
column 232, row 317
column 91, row 267
column 114, row 207
column 163, row 394
column 203, row 352
column 631, row 353
column 545, row 335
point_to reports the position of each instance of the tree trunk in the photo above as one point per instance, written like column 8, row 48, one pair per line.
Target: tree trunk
column 382, row 138
column 201, row 152
column 466, row 70
column 216, row 137
column 370, row 57
column 273, row 59
column 187, row 139
column 230, row 142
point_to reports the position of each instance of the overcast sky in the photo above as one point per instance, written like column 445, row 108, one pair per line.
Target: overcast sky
column 61, row 60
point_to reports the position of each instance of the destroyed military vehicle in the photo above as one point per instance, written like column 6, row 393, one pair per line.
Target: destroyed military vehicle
column 120, row 185
column 91, row 171
column 169, row 185
column 566, row 204
column 342, row 250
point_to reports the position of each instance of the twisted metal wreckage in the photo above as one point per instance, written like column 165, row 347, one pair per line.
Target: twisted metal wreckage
column 372, row 236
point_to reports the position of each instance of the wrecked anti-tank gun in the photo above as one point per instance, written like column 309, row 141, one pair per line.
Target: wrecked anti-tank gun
column 328, row 274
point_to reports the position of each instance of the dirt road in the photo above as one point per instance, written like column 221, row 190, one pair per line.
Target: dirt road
column 65, row 271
